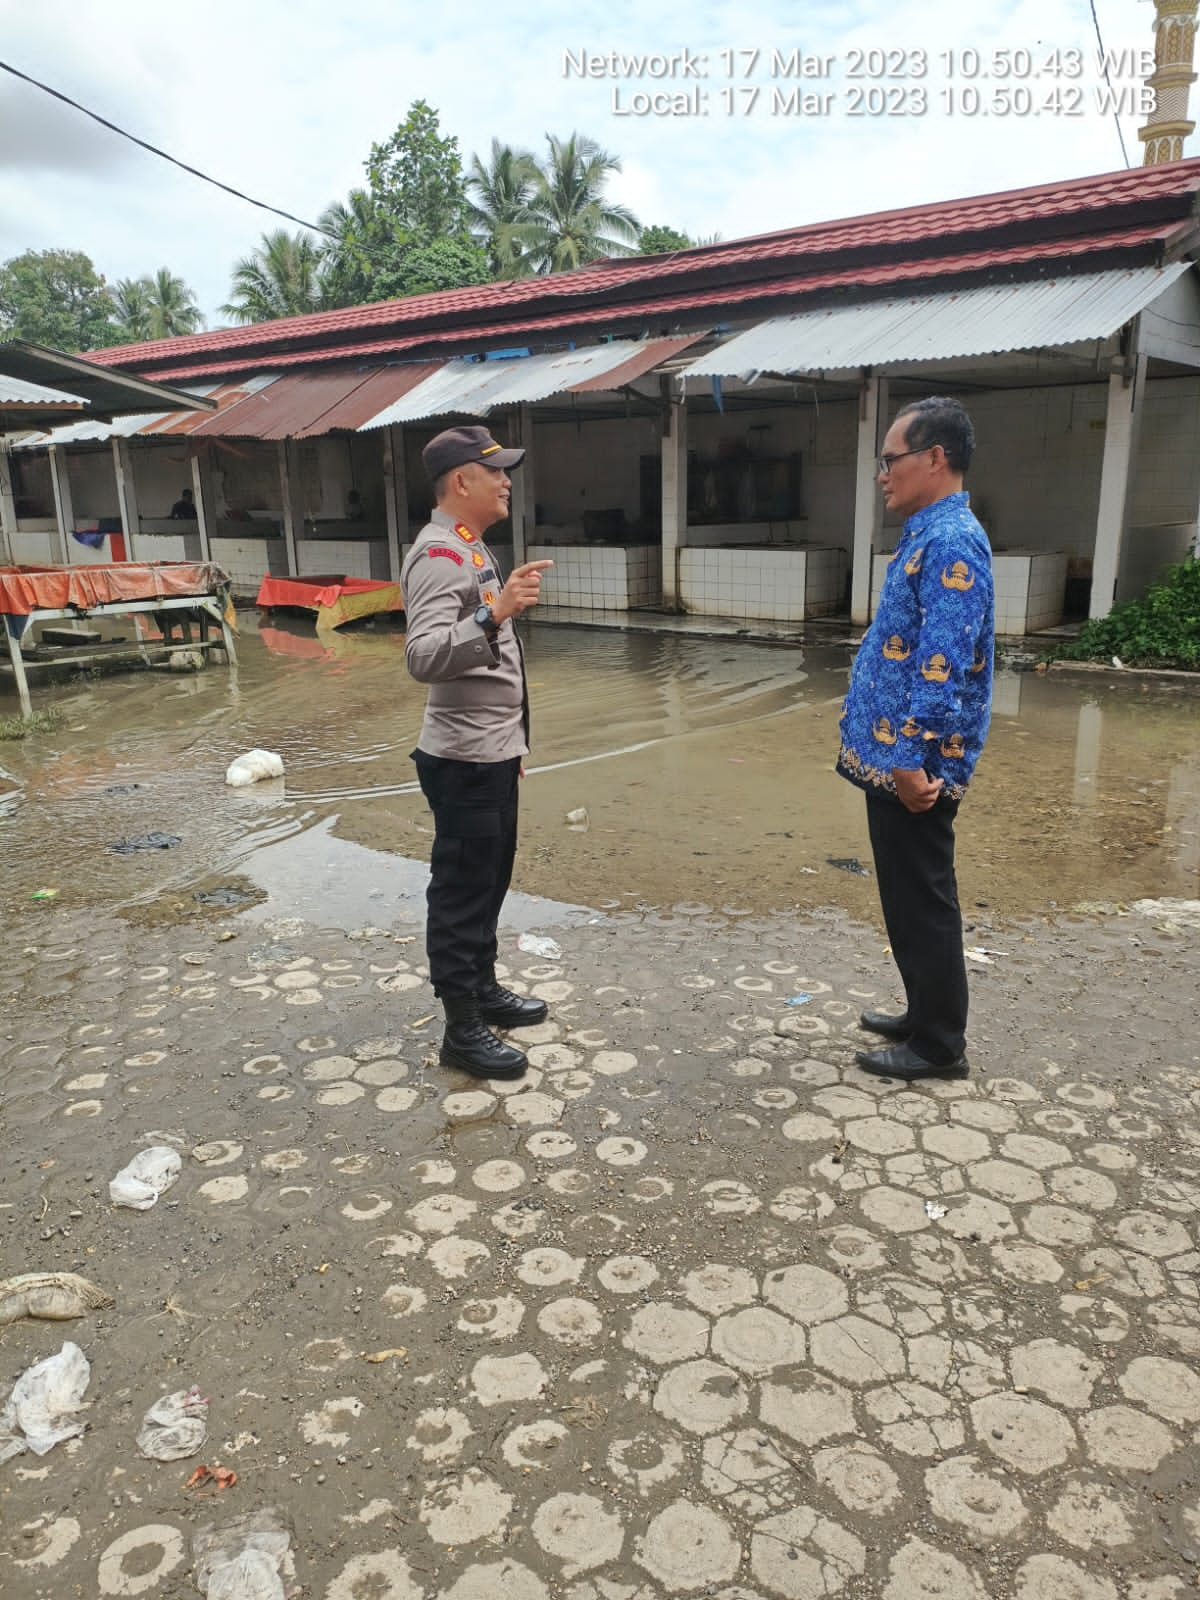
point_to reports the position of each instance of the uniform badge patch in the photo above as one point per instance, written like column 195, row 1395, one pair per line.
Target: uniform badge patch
column 442, row 550
column 478, row 557
column 489, row 596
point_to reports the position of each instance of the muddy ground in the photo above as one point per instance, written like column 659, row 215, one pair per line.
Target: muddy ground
column 697, row 1308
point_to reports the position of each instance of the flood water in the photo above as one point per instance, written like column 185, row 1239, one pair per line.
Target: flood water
column 704, row 765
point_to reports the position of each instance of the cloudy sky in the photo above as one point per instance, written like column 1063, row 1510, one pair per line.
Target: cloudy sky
column 283, row 99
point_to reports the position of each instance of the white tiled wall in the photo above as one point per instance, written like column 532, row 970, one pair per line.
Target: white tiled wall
column 249, row 561
column 350, row 558
column 766, row 585
column 1029, row 588
column 601, row 577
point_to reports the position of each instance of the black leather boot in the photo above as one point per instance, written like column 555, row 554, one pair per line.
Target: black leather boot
column 471, row 1046
column 898, row 1028
column 506, row 1009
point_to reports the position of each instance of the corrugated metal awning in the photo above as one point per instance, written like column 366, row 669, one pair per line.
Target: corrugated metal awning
column 938, row 327
column 16, row 391
column 222, row 395
column 473, row 388
column 299, row 405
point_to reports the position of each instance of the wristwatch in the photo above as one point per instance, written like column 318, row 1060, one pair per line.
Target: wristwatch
column 485, row 619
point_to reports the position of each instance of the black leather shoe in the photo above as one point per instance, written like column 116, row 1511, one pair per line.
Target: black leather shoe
column 471, row 1046
column 509, row 1010
column 902, row 1061
column 898, row 1028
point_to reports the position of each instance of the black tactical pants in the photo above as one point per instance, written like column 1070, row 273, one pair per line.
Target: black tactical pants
column 474, row 805
column 914, row 866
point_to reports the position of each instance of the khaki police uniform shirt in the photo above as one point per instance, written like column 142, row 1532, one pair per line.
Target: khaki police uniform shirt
column 477, row 708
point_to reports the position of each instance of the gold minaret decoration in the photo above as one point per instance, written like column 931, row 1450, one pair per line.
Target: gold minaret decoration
column 1174, row 46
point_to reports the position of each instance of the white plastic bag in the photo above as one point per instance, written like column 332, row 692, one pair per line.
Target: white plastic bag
column 253, row 766
column 534, row 944
column 175, row 1426
column 43, row 1398
column 246, row 1558
column 148, row 1175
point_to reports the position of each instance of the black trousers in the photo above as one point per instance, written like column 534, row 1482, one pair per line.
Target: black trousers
column 474, row 805
column 914, row 866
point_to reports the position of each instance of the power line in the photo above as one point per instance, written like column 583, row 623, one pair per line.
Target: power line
column 1108, row 81
column 314, row 227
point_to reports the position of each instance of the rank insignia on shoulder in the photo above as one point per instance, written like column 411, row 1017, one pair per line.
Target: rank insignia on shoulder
column 442, row 550
column 465, row 534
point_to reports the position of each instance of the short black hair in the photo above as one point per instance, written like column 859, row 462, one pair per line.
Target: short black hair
column 940, row 420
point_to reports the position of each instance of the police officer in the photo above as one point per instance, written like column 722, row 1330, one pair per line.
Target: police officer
column 461, row 642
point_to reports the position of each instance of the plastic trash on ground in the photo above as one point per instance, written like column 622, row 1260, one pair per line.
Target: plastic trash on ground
column 577, row 818
column 56, row 1296
column 534, row 944
column 175, row 1426
column 149, row 1174
column 39, row 1411
column 934, row 1211
column 849, row 864
column 253, row 767
column 246, row 1558
column 797, row 1000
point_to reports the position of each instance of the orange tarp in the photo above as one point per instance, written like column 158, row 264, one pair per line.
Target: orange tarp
column 26, row 589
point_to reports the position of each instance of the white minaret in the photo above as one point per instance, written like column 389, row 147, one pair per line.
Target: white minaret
column 1171, row 80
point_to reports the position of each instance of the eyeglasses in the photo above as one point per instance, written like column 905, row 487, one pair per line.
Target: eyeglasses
column 884, row 463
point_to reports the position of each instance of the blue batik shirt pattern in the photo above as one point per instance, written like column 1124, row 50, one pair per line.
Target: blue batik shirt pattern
column 921, row 684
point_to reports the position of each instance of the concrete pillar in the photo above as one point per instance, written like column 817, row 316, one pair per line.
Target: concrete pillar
column 674, row 495
column 126, row 497
column 524, row 490
column 64, row 511
column 1126, row 397
column 200, row 454
column 868, row 502
column 395, row 492
column 292, row 501
column 8, row 508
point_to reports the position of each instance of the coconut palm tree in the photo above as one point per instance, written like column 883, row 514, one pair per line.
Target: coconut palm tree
column 568, row 220
column 346, row 259
column 131, row 309
column 498, row 195
column 172, row 305
column 281, row 278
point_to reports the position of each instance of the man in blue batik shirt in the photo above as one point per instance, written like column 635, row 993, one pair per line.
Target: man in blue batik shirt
column 913, row 725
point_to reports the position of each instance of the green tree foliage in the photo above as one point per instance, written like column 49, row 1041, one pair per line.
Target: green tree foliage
column 1161, row 629
column 281, row 278
column 56, row 298
column 417, row 177
column 131, row 313
column 155, row 306
column 661, row 241
column 407, row 232
column 569, row 220
column 498, row 195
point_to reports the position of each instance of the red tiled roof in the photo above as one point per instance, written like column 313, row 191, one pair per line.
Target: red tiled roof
column 1080, row 253
column 940, row 237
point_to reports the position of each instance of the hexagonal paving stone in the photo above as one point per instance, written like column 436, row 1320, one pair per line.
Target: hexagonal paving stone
column 701, row 1396
column 880, row 1136
column 803, row 1555
column 857, row 1350
column 1168, row 1388
column 859, row 1476
column 1061, row 1372
column 665, row 1333
column 1028, row 1435
column 1006, row 1181
column 1119, row 1436
column 757, row 1341
column 807, row 1294
column 920, row 1572
column 688, row 1547
column 807, row 1408
column 965, row 1492
column 1047, row 1577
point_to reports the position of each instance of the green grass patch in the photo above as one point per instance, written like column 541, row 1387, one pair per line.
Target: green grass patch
column 1161, row 629
column 39, row 722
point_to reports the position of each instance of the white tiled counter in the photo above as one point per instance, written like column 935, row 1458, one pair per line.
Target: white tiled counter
column 600, row 577
column 1029, row 584
column 769, row 585
column 349, row 558
column 249, row 561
